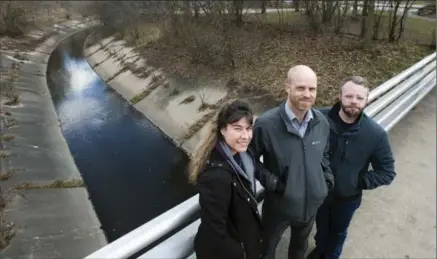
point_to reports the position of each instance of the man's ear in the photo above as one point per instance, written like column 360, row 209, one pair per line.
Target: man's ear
column 286, row 86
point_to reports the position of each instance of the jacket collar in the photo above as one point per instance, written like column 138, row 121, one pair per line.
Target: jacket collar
column 216, row 159
column 335, row 109
column 312, row 118
column 292, row 116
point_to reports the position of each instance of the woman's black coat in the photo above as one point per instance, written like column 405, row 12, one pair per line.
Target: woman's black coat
column 230, row 222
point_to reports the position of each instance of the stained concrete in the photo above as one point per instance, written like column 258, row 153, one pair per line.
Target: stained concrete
column 398, row 221
column 163, row 106
column 49, row 223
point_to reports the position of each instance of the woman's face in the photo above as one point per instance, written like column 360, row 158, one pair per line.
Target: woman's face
column 238, row 135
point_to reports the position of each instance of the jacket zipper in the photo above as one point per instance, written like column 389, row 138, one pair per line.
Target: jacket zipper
column 306, row 181
column 250, row 195
column 244, row 188
column 244, row 251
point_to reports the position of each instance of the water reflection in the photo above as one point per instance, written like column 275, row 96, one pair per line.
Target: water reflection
column 79, row 72
column 132, row 171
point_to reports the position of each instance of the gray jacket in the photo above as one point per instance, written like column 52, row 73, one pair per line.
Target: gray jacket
column 301, row 164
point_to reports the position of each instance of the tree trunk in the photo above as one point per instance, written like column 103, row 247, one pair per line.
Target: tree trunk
column 187, row 8
column 263, row 6
column 364, row 18
column 196, row 11
column 296, row 5
column 403, row 19
column 355, row 11
column 392, row 29
column 370, row 19
column 238, row 7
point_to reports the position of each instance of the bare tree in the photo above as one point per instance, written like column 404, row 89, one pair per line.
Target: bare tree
column 380, row 16
column 341, row 13
column 264, row 6
column 396, row 22
column 326, row 14
column 296, row 5
column 12, row 18
column 355, row 9
column 369, row 20
column 363, row 18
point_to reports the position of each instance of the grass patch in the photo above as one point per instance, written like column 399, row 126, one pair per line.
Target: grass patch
column 140, row 71
column 174, row 92
column 5, row 153
column 5, row 113
column 145, row 33
column 124, row 69
column 6, row 137
column 7, row 231
column 194, row 128
column 188, row 100
column 20, row 56
column 15, row 100
column 57, row 184
column 199, row 124
column 204, row 106
column 156, row 82
column 11, row 123
column 4, row 176
column 7, row 88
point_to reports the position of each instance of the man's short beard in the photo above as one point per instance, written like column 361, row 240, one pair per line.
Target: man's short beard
column 352, row 115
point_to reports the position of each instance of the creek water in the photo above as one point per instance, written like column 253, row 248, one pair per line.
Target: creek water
column 132, row 171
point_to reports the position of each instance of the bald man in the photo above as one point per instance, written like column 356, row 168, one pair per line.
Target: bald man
column 293, row 140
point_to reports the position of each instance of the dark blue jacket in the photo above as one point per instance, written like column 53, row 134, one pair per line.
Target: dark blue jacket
column 364, row 143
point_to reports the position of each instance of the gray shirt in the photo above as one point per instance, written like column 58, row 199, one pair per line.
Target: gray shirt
column 300, row 127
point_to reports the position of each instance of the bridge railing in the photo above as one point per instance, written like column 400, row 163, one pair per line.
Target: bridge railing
column 388, row 104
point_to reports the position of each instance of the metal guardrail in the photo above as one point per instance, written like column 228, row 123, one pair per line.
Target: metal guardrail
column 389, row 103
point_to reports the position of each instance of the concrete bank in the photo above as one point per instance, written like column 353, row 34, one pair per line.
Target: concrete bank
column 180, row 112
column 48, row 222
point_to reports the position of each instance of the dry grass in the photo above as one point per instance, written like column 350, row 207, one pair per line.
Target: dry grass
column 70, row 183
column 9, row 94
column 7, row 231
column 194, row 128
column 6, row 137
column 5, row 153
column 10, row 122
column 156, row 82
column 263, row 61
column 264, row 51
column 5, row 176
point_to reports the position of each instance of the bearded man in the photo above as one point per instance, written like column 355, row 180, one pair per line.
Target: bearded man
column 356, row 141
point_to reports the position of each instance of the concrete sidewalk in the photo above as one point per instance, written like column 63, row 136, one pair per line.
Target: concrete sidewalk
column 399, row 221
